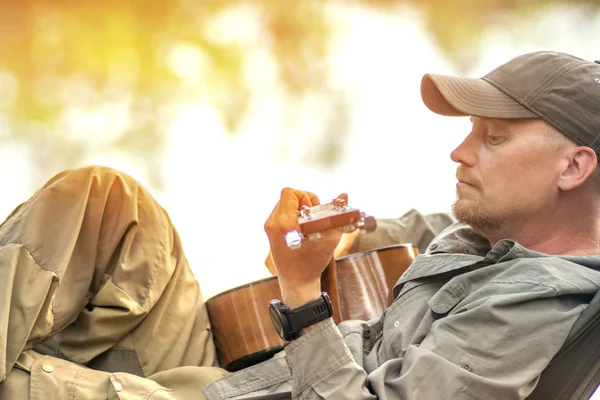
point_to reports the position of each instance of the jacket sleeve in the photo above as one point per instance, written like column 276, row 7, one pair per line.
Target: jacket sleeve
column 412, row 227
column 322, row 366
column 494, row 348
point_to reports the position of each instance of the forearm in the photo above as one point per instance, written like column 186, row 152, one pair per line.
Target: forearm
column 297, row 294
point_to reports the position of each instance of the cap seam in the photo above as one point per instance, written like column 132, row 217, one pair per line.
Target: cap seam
column 468, row 101
column 516, row 98
column 539, row 87
column 460, row 85
column 544, row 84
column 554, row 80
column 507, row 92
column 595, row 139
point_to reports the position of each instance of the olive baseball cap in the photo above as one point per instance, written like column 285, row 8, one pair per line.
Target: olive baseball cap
column 561, row 89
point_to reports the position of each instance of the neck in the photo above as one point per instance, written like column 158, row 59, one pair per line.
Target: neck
column 565, row 230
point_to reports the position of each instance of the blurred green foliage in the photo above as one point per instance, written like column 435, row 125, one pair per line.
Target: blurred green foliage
column 56, row 55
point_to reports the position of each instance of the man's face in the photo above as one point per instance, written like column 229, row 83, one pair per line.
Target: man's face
column 507, row 174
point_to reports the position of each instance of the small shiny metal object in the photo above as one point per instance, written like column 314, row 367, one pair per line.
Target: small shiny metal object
column 49, row 368
column 350, row 228
column 117, row 385
column 313, row 237
column 306, row 212
column 293, row 239
column 339, row 204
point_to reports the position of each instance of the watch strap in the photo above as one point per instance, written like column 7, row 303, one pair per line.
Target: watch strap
column 310, row 313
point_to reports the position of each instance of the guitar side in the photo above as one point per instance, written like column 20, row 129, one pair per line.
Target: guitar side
column 242, row 328
column 362, row 283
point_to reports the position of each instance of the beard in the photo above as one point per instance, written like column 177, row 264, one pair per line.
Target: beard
column 475, row 216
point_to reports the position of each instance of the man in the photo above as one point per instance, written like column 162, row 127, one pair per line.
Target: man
column 92, row 268
column 469, row 321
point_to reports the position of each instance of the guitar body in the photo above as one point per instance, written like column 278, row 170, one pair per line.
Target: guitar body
column 242, row 328
column 360, row 286
column 365, row 280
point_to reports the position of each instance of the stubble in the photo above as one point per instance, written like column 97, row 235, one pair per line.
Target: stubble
column 475, row 216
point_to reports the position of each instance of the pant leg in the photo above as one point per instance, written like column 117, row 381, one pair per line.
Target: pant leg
column 93, row 259
column 43, row 377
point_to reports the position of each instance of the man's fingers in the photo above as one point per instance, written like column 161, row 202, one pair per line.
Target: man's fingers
column 284, row 216
column 312, row 199
column 295, row 198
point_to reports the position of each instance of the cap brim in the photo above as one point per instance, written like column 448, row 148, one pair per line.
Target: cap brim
column 449, row 95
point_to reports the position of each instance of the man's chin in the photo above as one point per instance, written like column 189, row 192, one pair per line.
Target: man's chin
column 474, row 216
column 461, row 209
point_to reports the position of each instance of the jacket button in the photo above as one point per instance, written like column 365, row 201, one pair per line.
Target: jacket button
column 49, row 368
column 367, row 333
column 117, row 385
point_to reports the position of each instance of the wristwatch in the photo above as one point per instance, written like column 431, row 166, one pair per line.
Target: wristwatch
column 289, row 322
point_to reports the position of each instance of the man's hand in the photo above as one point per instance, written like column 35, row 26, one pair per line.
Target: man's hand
column 299, row 270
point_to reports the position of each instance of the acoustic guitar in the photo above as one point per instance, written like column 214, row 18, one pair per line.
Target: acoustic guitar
column 359, row 285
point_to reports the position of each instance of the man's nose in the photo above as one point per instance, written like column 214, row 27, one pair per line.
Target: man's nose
column 465, row 153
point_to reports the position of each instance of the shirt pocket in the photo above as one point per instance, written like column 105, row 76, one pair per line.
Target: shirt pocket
column 408, row 319
column 445, row 300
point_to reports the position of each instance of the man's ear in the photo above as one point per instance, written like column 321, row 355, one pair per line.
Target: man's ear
column 580, row 164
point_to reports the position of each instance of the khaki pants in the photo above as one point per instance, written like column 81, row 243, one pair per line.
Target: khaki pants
column 92, row 273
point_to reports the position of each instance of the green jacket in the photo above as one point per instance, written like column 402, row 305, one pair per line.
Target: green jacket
column 468, row 322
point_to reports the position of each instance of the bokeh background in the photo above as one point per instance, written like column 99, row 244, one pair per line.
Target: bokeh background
column 215, row 106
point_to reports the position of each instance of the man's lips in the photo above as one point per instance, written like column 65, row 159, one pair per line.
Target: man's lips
column 464, row 179
column 463, row 185
column 465, row 182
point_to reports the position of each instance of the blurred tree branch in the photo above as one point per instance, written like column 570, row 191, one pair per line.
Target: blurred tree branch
column 57, row 56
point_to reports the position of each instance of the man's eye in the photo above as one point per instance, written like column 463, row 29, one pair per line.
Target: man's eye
column 494, row 139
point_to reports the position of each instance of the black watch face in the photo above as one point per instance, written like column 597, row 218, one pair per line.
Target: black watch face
column 276, row 319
